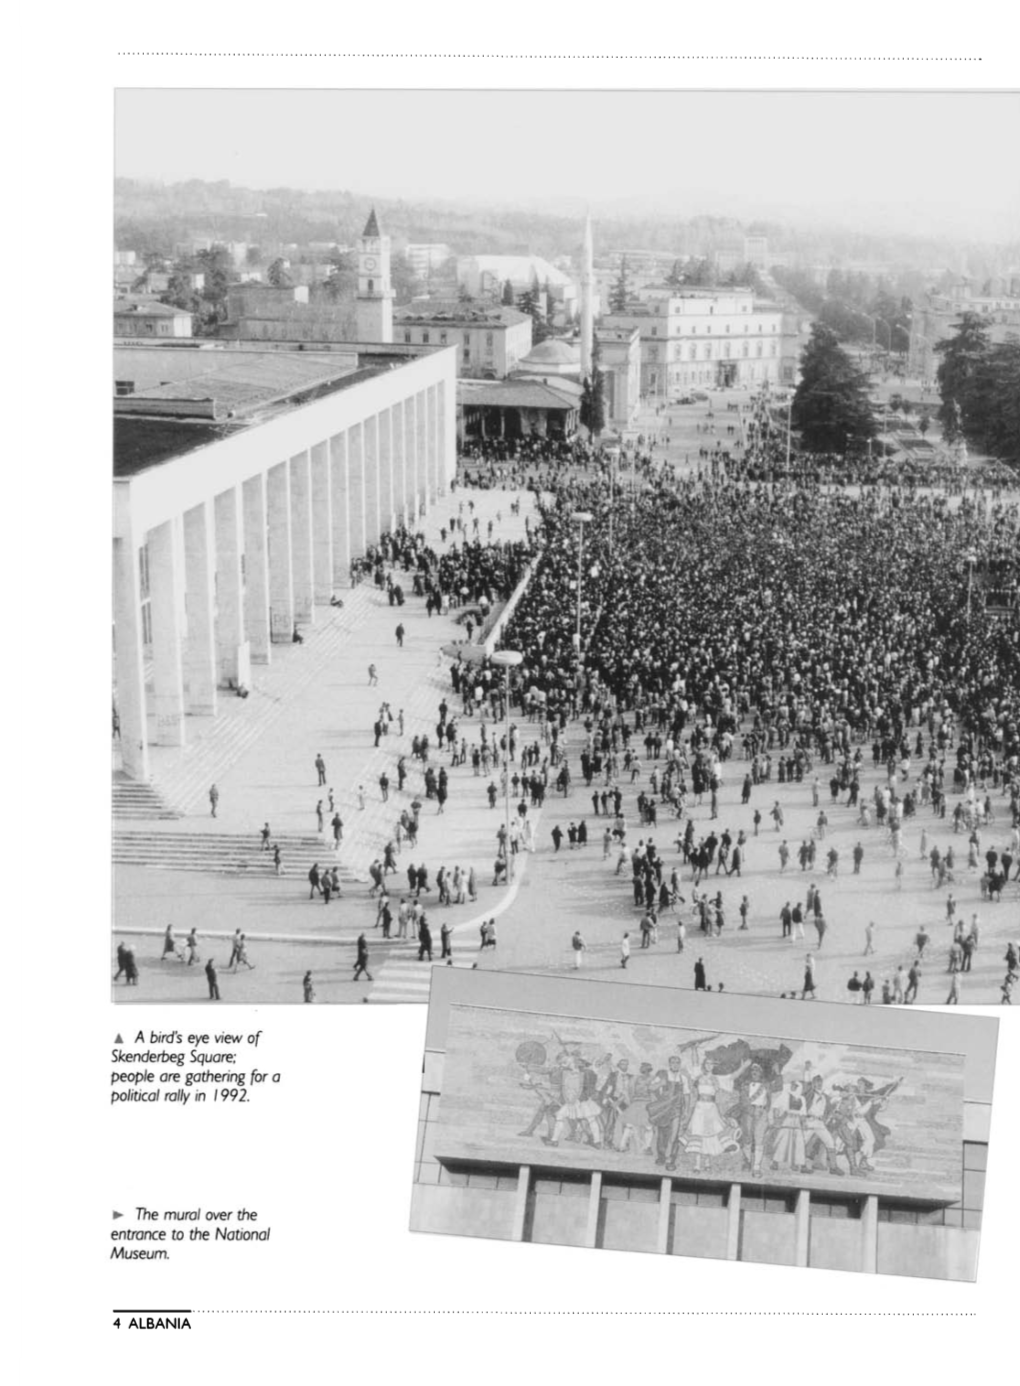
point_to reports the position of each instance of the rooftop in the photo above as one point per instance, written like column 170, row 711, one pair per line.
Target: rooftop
column 146, row 307
column 513, row 394
column 455, row 314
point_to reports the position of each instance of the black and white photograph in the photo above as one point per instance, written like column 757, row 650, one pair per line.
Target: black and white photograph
column 595, row 557
column 738, row 1128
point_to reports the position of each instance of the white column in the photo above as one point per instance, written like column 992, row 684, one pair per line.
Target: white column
column 281, row 588
column 200, row 650
column 256, row 569
column 431, row 451
column 869, row 1235
column 521, row 1203
column 301, row 553
column 399, row 470
column 168, row 671
column 340, row 506
column 232, row 652
column 802, row 1226
column 131, row 700
column 443, row 470
column 422, row 446
column 411, row 458
column 322, row 524
column 591, row 1231
column 733, row 1223
column 385, row 464
column 356, row 488
column 370, row 471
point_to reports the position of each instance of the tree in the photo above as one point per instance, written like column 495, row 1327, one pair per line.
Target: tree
column 962, row 356
column 593, row 395
column 508, row 294
column 277, row 274
column 830, row 407
column 619, row 293
column 676, row 275
column 528, row 302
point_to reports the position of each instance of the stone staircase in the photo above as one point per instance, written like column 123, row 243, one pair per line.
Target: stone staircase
column 134, row 800
column 402, row 978
column 234, row 854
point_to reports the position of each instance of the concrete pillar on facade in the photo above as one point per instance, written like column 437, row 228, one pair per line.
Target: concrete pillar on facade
column 521, row 1203
column 441, row 422
column 411, row 457
column 591, row 1230
column 356, row 488
column 733, row 1223
column 431, row 454
column 322, row 524
column 340, row 508
column 167, row 652
column 370, row 448
column 302, row 564
column 665, row 1209
column 232, row 649
column 869, row 1234
column 281, row 586
column 132, row 709
column 399, row 474
column 384, row 450
column 200, row 649
column 802, row 1227
column 421, row 444
column 256, row 569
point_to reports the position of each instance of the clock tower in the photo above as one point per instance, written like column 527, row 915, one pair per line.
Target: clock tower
column 374, row 305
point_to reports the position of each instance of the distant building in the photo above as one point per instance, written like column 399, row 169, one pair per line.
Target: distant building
column 934, row 319
column 620, row 351
column 483, row 276
column 262, row 313
column 490, row 340
column 756, row 251
column 699, row 337
column 516, row 409
column 125, row 257
column 423, row 258
column 137, row 317
column 374, row 304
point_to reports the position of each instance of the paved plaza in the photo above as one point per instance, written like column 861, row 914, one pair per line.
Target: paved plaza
column 317, row 699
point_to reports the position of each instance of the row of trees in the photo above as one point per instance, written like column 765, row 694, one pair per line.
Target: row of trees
column 856, row 306
column 979, row 383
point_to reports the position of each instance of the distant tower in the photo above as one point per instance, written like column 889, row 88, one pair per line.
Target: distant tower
column 587, row 316
column 374, row 304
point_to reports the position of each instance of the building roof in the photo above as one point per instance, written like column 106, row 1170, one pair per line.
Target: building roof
column 146, row 308
column 512, row 394
column 519, row 268
column 372, row 225
column 554, row 351
column 454, row 313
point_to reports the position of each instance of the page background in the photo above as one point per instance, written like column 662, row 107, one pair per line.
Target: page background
column 337, row 1192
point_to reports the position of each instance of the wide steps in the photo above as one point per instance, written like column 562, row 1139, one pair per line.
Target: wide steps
column 226, row 853
column 135, row 800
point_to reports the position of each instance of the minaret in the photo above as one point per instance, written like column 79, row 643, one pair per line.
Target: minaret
column 374, row 304
column 587, row 316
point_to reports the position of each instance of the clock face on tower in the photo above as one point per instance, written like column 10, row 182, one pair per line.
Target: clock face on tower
column 369, row 262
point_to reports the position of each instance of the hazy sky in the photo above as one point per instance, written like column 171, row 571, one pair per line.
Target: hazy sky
column 935, row 163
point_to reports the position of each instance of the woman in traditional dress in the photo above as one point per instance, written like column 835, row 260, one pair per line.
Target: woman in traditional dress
column 709, row 1133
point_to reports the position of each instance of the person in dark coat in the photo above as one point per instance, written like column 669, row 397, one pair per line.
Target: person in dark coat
column 213, row 980
column 361, row 962
column 700, row 984
column 424, row 940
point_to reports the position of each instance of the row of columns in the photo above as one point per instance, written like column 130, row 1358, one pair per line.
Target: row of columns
column 236, row 573
column 802, row 1214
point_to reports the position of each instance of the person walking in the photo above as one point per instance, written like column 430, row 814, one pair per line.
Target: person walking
column 265, row 835
column 400, row 635
column 320, row 768
column 700, row 980
column 424, row 940
column 869, row 937
column 445, row 935
column 579, row 946
column 373, row 677
column 214, row 798
column 361, row 961
column 625, row 950
column 307, row 988
column 213, row 980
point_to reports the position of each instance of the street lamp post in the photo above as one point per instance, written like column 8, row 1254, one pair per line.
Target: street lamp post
column 507, row 660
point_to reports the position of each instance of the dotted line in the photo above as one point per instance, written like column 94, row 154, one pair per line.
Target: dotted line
column 570, row 57
column 616, row 1313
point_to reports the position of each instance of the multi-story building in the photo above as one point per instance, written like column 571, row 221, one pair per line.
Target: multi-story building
column 620, row 352
column 483, row 276
column 490, row 341
column 935, row 317
column 261, row 313
column 424, row 258
column 843, row 1137
column 245, row 482
column 140, row 317
column 692, row 337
